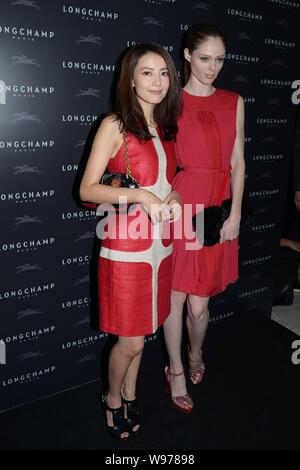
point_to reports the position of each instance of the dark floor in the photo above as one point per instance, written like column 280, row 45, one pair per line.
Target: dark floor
column 249, row 399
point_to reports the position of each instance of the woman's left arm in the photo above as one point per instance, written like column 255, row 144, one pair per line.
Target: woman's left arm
column 231, row 226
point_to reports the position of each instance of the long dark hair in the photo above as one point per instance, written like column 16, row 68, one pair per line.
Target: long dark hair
column 127, row 107
column 194, row 37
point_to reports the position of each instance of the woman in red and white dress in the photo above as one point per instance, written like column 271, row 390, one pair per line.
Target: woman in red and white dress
column 135, row 265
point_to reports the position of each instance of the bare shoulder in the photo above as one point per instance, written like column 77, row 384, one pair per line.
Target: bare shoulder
column 109, row 132
column 110, row 124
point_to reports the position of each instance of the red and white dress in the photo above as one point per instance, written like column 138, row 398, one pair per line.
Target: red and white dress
column 134, row 274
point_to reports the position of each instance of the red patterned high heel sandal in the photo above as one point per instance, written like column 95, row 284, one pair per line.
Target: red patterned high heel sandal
column 196, row 370
column 182, row 403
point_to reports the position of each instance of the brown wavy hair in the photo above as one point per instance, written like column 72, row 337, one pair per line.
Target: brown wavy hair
column 127, row 107
column 194, row 37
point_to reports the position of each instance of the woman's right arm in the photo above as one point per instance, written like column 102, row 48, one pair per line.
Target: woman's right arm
column 107, row 141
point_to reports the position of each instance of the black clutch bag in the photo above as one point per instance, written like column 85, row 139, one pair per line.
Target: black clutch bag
column 214, row 218
column 119, row 180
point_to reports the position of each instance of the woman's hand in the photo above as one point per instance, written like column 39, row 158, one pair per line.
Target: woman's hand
column 173, row 204
column 230, row 229
column 152, row 204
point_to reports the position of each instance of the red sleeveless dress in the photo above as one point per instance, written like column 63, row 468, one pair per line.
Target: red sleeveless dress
column 207, row 131
column 134, row 274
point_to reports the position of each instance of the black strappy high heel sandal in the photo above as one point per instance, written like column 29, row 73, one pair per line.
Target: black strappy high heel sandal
column 133, row 415
column 120, row 424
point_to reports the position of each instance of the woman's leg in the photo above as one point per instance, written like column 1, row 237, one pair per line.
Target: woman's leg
column 124, row 362
column 129, row 393
column 173, row 336
column 196, row 321
column 129, row 382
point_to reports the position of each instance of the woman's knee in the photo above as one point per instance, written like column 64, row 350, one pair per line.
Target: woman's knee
column 178, row 298
column 131, row 346
column 198, row 309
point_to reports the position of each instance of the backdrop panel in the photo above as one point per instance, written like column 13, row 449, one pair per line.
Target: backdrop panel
column 57, row 64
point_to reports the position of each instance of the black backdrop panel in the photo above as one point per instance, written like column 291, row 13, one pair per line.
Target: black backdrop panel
column 57, row 63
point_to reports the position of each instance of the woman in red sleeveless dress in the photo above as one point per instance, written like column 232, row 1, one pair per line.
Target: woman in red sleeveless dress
column 135, row 261
column 210, row 144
